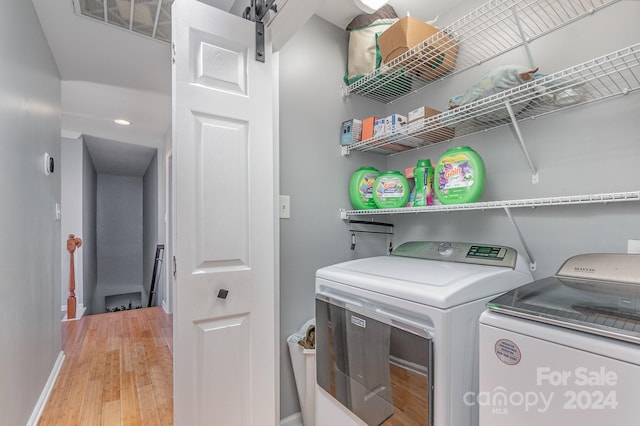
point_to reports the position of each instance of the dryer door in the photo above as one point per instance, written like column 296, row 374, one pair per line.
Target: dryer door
column 375, row 363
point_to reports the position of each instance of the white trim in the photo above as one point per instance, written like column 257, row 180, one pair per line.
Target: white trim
column 80, row 310
column 293, row 420
column 46, row 391
column 165, row 307
column 70, row 134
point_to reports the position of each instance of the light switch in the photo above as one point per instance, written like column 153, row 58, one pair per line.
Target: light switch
column 633, row 246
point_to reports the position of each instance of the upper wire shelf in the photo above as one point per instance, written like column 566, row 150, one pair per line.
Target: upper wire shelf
column 604, row 198
column 489, row 31
column 609, row 75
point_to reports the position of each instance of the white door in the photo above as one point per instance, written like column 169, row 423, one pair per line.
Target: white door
column 225, row 370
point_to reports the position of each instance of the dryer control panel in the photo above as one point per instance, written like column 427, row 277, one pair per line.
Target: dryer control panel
column 477, row 254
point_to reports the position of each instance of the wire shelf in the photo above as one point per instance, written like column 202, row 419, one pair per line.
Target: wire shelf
column 604, row 198
column 610, row 75
column 489, row 31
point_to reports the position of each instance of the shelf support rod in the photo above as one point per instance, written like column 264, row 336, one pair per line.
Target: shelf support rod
column 525, row 42
column 532, row 261
column 534, row 171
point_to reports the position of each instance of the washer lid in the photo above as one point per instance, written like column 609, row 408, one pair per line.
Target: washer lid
column 428, row 282
column 606, row 309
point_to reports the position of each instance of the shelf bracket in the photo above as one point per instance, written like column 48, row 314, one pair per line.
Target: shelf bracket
column 345, row 150
column 343, row 214
column 534, row 171
column 525, row 41
column 532, row 261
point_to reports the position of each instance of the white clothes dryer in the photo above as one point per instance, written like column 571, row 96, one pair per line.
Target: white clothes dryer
column 397, row 336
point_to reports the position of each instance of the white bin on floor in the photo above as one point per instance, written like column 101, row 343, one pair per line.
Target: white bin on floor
column 303, row 362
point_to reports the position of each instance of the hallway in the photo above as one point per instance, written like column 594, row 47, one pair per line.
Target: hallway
column 118, row 370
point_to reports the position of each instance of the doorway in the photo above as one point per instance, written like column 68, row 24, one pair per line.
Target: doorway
column 110, row 199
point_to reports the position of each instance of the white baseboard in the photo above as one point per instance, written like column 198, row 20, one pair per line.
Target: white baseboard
column 293, row 420
column 165, row 307
column 44, row 396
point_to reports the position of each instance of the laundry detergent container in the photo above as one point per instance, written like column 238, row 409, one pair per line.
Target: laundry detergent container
column 303, row 361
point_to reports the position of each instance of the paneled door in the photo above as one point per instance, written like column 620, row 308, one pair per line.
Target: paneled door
column 223, row 151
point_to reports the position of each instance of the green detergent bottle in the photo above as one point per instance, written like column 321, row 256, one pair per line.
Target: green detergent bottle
column 361, row 188
column 460, row 176
column 424, row 183
column 391, row 190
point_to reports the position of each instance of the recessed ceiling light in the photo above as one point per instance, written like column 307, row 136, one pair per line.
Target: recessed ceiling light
column 121, row 122
column 370, row 6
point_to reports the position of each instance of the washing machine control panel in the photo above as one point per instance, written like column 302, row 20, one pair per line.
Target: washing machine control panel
column 478, row 254
column 487, row 252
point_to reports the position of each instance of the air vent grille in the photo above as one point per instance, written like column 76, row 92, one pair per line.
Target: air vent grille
column 150, row 18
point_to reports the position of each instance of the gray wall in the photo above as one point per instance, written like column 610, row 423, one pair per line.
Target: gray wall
column 89, row 248
column 314, row 175
column 150, row 227
column 586, row 150
column 590, row 149
column 119, row 236
column 30, row 248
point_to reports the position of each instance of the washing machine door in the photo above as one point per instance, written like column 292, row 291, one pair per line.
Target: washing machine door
column 375, row 363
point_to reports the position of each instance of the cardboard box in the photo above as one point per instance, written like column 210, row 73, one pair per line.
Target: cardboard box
column 367, row 127
column 351, row 132
column 432, row 61
column 395, row 123
column 416, row 125
column 421, row 112
column 378, row 128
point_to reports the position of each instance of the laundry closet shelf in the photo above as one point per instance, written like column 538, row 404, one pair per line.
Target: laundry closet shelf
column 604, row 198
column 617, row 73
column 489, row 31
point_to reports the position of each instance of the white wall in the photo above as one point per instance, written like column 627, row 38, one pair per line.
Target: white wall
column 150, row 226
column 119, row 236
column 30, row 248
column 89, row 240
column 165, row 230
column 71, row 165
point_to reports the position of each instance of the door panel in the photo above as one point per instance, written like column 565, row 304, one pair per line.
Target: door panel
column 223, row 150
column 219, row 63
column 221, row 173
column 229, row 369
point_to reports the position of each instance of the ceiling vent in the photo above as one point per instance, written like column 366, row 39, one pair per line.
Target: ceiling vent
column 150, row 18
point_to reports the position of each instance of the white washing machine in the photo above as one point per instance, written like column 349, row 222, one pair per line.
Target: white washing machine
column 397, row 336
column 564, row 350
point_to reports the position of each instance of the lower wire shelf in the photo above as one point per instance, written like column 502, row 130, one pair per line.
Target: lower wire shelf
column 604, row 198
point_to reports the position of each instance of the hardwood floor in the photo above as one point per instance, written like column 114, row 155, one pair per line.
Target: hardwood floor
column 118, row 370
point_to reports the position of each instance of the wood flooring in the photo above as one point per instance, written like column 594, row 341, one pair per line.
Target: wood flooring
column 118, row 370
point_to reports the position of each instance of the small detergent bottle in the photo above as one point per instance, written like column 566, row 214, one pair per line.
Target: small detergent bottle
column 408, row 173
column 361, row 188
column 460, row 176
column 424, row 183
column 391, row 190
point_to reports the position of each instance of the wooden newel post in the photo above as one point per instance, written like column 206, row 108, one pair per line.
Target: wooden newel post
column 72, row 244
